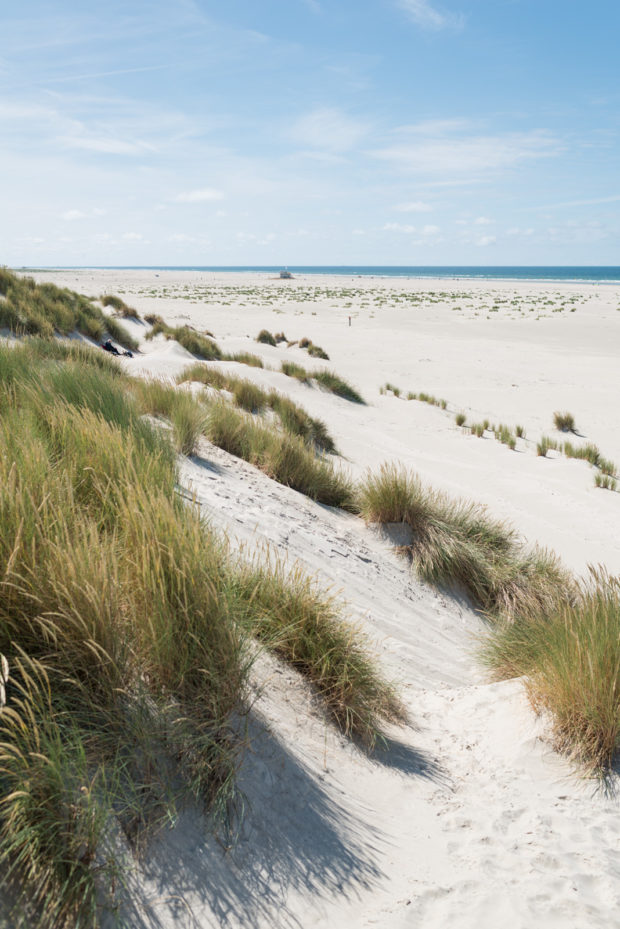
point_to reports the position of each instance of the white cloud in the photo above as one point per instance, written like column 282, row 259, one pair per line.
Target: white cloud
column 358, row 232
column 105, row 145
column 204, row 195
column 425, row 15
column 329, row 129
column 132, row 236
column 413, row 206
column 485, row 240
column 431, row 230
column 399, row 227
column 469, row 154
column 483, row 221
column 71, row 215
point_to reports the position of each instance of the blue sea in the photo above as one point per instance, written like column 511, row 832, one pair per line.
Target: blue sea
column 586, row 273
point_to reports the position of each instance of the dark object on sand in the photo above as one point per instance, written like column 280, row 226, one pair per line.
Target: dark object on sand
column 109, row 347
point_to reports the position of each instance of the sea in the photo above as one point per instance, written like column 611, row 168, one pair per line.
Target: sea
column 571, row 273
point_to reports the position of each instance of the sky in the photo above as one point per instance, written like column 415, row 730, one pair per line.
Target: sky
column 286, row 132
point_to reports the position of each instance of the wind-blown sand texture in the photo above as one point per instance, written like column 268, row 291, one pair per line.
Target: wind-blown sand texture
column 467, row 817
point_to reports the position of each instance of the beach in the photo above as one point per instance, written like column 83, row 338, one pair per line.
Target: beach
column 465, row 816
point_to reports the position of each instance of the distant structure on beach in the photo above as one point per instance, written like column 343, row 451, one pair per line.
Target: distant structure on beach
column 286, row 275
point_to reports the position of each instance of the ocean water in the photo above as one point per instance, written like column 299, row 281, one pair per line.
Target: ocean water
column 587, row 273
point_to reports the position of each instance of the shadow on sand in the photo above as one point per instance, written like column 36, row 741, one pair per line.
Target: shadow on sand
column 296, row 837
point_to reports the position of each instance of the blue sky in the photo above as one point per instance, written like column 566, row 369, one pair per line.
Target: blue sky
column 310, row 132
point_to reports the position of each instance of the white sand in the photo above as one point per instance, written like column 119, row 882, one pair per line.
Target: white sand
column 468, row 818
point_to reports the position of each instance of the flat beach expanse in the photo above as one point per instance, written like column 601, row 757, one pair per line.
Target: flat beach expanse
column 467, row 817
column 510, row 352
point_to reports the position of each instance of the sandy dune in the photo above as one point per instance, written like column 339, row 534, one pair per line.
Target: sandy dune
column 466, row 817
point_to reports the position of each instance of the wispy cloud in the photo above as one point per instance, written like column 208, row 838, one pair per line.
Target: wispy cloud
column 466, row 155
column 428, row 17
column 204, row 195
column 413, row 206
column 399, row 227
column 329, row 129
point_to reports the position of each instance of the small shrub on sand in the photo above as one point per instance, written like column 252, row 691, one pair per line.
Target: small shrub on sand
column 565, row 422
column 305, row 342
column 460, row 419
column 265, row 337
column 330, row 381
column 607, row 467
column 520, row 432
column 478, row 430
column 280, row 337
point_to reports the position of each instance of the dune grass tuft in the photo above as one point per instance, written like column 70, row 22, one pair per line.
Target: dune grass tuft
column 195, row 342
column 564, row 422
column 265, row 337
column 45, row 310
column 571, row 656
column 285, row 458
column 126, row 627
column 330, row 381
column 457, row 543
column 293, row 418
column 294, row 370
column 127, row 312
column 303, row 626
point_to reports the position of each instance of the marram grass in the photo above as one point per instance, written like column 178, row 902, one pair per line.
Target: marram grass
column 126, row 625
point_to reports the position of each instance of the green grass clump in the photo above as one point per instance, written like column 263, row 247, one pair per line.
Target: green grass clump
column 565, row 422
column 280, row 337
column 265, row 337
column 127, row 312
column 545, row 445
column 294, row 370
column 305, row 342
column 126, row 624
column 293, row 418
column 477, row 429
column 520, row 432
column 330, row 381
column 45, row 310
column 187, row 415
column 303, row 627
column 195, row 342
column 588, row 452
column 285, row 458
column 571, row 657
column 605, row 481
column 245, row 358
column 460, row 419
column 315, row 351
column 457, row 543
